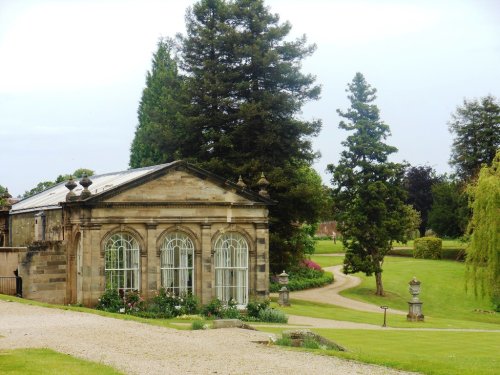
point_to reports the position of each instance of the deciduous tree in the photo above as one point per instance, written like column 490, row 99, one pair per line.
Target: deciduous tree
column 368, row 189
column 483, row 252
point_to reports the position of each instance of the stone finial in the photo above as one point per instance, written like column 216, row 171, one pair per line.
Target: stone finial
column 263, row 184
column 71, row 184
column 240, row 183
column 85, row 182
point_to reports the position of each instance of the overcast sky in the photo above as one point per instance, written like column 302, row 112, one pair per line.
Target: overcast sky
column 72, row 74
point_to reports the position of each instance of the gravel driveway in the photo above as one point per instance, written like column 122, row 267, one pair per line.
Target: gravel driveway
column 136, row 348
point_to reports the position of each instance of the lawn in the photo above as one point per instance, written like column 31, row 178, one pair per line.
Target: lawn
column 433, row 353
column 443, row 289
column 48, row 362
column 328, row 247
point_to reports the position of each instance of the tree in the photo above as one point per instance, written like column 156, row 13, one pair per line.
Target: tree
column 483, row 252
column 449, row 212
column 418, row 184
column 159, row 113
column 476, row 130
column 242, row 93
column 368, row 189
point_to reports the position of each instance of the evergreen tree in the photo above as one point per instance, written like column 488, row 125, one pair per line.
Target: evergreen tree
column 449, row 212
column 246, row 91
column 483, row 253
column 476, row 129
column 159, row 113
column 418, row 184
column 368, row 189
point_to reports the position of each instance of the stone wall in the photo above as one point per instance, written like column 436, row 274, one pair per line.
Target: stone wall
column 9, row 259
column 43, row 269
column 23, row 227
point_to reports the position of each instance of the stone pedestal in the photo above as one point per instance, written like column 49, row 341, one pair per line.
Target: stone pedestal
column 284, row 297
column 415, row 312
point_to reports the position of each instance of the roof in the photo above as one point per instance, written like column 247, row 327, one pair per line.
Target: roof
column 50, row 198
column 108, row 184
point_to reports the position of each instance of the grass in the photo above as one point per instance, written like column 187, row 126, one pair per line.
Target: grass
column 328, row 247
column 433, row 353
column 327, row 311
column 48, row 362
column 327, row 261
column 443, row 289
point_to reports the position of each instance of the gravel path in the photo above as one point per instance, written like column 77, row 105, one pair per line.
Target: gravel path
column 136, row 348
column 330, row 293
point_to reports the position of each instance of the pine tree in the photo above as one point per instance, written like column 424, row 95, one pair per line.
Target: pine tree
column 159, row 113
column 483, row 253
column 368, row 189
column 476, row 129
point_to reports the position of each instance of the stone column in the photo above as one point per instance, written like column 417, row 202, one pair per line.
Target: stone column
column 262, row 269
column 86, row 266
column 207, row 277
column 97, row 285
column 150, row 277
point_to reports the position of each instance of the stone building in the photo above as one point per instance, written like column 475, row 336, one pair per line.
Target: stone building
column 173, row 225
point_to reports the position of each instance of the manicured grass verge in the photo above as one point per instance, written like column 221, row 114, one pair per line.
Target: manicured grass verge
column 327, row 261
column 48, row 362
column 328, row 247
column 443, row 289
column 433, row 353
column 174, row 323
column 326, row 311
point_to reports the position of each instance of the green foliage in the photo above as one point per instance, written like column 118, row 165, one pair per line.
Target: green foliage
column 219, row 310
column 427, row 248
column 270, row 315
column 418, row 183
column 449, row 213
column 198, row 324
column 483, row 253
column 159, row 114
column 368, row 189
column 254, row 307
column 236, row 110
column 110, row 301
column 304, row 280
column 476, row 129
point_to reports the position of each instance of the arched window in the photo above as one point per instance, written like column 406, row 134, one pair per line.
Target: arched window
column 231, row 268
column 177, row 258
column 122, row 262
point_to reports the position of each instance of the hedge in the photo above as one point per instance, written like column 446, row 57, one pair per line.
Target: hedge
column 427, row 248
column 304, row 283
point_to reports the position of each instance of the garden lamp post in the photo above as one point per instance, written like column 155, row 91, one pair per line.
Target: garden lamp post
column 284, row 294
column 385, row 315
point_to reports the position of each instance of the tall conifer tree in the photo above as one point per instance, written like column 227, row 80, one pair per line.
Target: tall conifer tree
column 368, row 189
column 159, row 113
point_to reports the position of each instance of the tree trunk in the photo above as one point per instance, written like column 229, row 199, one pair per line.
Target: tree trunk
column 378, row 280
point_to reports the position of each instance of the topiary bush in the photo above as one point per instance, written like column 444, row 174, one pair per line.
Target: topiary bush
column 427, row 248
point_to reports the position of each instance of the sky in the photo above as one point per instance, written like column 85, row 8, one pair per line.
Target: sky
column 72, row 74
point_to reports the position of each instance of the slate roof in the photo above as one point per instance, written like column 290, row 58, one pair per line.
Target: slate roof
column 109, row 183
column 50, row 198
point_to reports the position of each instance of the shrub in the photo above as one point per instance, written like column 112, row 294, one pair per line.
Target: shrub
column 110, row 301
column 272, row 316
column 170, row 304
column 254, row 307
column 213, row 309
column 315, row 279
column 198, row 324
column 427, row 248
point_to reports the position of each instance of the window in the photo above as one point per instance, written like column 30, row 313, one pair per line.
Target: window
column 122, row 262
column 231, row 268
column 177, row 257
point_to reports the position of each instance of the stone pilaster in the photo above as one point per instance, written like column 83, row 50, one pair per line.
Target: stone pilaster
column 207, row 277
column 262, row 268
column 150, row 277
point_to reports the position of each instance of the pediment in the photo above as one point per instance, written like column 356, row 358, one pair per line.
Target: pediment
column 178, row 186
